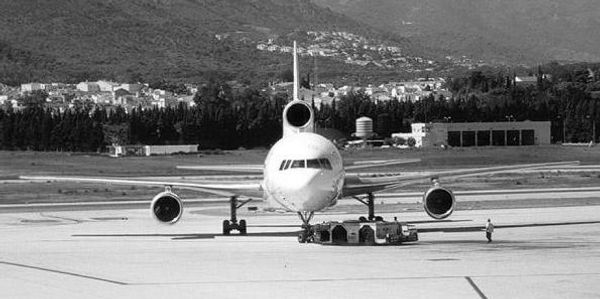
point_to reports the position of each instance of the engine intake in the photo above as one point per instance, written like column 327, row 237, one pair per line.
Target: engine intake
column 438, row 202
column 166, row 207
column 298, row 114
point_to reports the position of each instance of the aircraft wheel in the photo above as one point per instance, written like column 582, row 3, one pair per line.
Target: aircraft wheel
column 302, row 237
column 242, row 228
column 226, row 227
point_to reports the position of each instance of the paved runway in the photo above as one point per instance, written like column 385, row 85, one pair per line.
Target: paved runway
column 125, row 254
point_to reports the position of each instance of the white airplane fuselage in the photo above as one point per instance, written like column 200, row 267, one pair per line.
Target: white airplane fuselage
column 303, row 171
column 313, row 178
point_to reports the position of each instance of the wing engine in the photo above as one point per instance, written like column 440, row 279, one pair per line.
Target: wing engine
column 167, row 207
column 438, row 202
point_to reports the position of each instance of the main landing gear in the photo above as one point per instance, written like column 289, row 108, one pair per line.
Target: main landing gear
column 370, row 203
column 233, row 224
column 306, row 236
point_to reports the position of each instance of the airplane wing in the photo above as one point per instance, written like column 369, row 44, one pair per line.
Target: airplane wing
column 357, row 185
column 256, row 168
column 376, row 163
column 247, row 189
column 246, row 168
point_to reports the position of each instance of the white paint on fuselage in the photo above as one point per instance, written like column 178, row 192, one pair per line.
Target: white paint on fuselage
column 303, row 189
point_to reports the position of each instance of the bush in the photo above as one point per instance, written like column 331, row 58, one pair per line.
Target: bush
column 399, row 141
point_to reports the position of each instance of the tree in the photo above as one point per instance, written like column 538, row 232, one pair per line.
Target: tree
column 116, row 133
column 36, row 99
column 305, row 81
column 287, row 75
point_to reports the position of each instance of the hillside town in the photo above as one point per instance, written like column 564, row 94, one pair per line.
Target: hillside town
column 402, row 91
column 103, row 93
column 358, row 50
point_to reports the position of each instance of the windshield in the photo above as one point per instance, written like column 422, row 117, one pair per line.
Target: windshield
column 310, row 163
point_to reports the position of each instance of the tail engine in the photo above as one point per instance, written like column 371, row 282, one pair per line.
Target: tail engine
column 166, row 207
column 298, row 117
column 438, row 202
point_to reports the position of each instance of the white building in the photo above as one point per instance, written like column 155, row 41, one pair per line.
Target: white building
column 29, row 87
column 187, row 100
column 88, row 87
column 107, row 85
column 132, row 88
column 479, row 133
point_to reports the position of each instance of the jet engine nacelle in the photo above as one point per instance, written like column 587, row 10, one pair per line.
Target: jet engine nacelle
column 298, row 117
column 438, row 202
column 166, row 207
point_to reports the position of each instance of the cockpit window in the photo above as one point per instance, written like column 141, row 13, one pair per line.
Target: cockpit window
column 313, row 163
column 298, row 164
column 325, row 164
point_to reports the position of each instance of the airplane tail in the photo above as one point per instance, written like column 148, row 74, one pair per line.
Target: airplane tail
column 298, row 115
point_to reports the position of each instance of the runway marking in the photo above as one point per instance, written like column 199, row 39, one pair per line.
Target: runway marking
column 480, row 228
column 443, row 259
column 37, row 221
column 472, row 283
column 355, row 279
column 77, row 221
column 64, row 273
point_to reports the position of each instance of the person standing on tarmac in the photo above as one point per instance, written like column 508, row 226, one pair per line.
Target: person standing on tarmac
column 489, row 229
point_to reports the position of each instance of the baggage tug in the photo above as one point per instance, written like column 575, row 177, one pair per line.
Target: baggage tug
column 361, row 232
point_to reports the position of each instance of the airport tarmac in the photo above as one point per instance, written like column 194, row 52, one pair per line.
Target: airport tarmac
column 124, row 253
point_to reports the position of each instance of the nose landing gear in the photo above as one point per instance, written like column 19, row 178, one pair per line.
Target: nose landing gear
column 306, row 236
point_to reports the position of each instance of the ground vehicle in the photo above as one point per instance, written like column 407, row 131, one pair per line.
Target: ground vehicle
column 357, row 232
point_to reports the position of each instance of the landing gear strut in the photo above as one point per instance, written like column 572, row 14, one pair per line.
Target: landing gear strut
column 233, row 224
column 306, row 236
column 370, row 203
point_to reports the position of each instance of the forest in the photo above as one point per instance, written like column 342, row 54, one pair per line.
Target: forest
column 224, row 118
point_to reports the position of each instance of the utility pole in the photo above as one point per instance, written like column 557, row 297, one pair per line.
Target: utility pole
column 315, row 72
column 591, row 118
column 564, row 129
column 594, row 130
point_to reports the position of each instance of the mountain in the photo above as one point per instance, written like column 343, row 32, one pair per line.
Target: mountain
column 501, row 31
column 145, row 40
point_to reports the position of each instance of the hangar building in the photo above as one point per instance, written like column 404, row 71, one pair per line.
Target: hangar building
column 513, row 133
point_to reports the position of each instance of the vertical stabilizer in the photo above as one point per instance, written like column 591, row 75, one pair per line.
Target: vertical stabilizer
column 298, row 116
column 295, row 73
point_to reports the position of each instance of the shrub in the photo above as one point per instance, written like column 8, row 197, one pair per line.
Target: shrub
column 399, row 141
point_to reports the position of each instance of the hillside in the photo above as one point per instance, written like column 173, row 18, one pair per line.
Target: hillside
column 133, row 40
column 505, row 31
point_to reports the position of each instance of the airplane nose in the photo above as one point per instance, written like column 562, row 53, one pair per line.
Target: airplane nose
column 301, row 183
column 309, row 192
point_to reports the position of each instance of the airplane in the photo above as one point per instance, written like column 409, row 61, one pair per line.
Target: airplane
column 302, row 173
